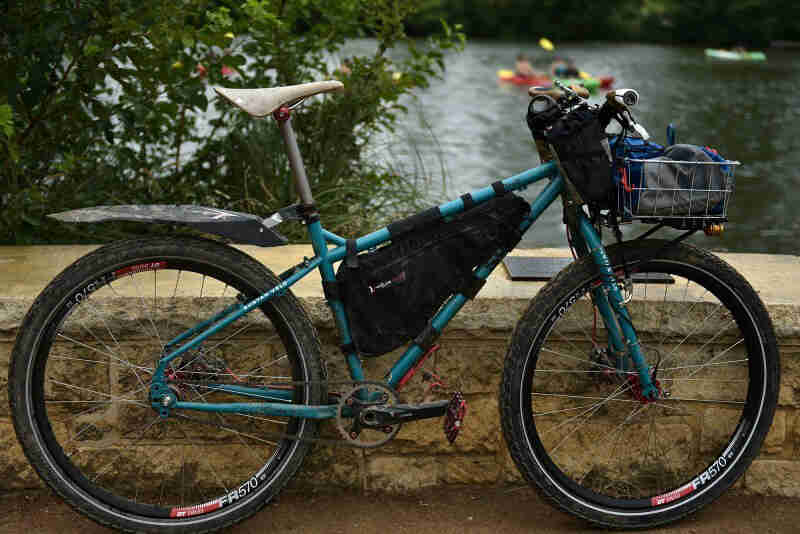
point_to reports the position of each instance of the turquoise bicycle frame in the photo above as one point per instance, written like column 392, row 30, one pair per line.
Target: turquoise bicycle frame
column 278, row 402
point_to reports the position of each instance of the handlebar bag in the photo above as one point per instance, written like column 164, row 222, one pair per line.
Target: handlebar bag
column 580, row 141
column 691, row 189
column 391, row 292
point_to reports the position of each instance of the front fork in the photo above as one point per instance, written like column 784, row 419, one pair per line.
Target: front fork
column 611, row 306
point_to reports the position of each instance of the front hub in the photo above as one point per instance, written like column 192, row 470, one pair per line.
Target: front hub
column 645, row 397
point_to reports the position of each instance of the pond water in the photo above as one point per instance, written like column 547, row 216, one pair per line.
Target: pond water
column 473, row 128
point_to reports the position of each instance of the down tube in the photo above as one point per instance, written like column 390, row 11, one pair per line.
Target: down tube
column 456, row 302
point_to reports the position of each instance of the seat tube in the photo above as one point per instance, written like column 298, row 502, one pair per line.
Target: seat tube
column 283, row 117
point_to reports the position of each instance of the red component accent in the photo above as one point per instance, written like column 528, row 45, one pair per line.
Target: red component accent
column 410, row 372
column 282, row 114
column 235, row 376
column 714, row 150
column 454, row 417
column 436, row 382
column 153, row 266
column 672, row 495
column 625, row 183
column 636, row 389
column 188, row 511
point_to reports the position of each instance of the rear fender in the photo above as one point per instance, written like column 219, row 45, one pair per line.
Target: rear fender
column 239, row 227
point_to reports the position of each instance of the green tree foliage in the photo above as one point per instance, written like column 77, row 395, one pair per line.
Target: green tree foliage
column 713, row 22
column 107, row 102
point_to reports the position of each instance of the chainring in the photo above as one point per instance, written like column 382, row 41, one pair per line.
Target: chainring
column 356, row 402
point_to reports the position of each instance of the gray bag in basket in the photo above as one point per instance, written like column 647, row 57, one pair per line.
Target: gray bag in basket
column 683, row 190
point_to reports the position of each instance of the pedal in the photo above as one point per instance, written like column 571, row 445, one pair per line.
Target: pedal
column 454, row 417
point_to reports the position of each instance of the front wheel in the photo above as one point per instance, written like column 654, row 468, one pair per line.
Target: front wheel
column 574, row 418
column 81, row 371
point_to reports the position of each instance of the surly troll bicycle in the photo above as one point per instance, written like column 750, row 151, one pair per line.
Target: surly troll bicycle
column 175, row 384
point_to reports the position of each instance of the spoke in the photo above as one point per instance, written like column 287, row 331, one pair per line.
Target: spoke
column 96, row 314
column 222, row 419
column 214, row 471
column 539, row 414
column 119, row 452
column 135, row 279
column 590, row 412
column 702, row 400
column 704, row 365
column 592, row 408
column 582, row 360
column 127, row 365
column 714, row 358
column 100, row 393
column 666, row 358
column 689, row 311
column 633, row 413
column 572, row 320
column 582, row 397
column 702, row 380
column 226, row 428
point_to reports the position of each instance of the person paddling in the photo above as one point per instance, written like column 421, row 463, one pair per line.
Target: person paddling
column 524, row 68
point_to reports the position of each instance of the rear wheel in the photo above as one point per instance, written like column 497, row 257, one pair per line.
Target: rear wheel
column 573, row 415
column 81, row 372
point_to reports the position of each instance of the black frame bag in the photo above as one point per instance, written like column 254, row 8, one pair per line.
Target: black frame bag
column 580, row 141
column 390, row 293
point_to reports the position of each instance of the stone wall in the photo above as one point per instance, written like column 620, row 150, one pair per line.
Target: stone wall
column 471, row 358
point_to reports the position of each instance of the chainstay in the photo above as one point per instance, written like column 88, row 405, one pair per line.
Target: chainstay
column 292, row 437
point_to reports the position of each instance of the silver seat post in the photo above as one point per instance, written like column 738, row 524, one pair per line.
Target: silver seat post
column 283, row 117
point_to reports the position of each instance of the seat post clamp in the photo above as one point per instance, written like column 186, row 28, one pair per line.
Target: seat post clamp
column 282, row 114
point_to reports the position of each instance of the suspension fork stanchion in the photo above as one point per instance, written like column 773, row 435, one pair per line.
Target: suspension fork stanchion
column 620, row 318
column 616, row 344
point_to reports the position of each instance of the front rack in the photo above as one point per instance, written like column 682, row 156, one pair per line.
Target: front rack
column 684, row 194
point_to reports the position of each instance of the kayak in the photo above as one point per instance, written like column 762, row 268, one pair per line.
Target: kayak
column 590, row 83
column 735, row 56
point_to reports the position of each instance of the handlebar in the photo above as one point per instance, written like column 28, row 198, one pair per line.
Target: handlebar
column 557, row 91
column 548, row 104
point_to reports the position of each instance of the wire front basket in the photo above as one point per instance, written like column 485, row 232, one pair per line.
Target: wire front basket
column 680, row 193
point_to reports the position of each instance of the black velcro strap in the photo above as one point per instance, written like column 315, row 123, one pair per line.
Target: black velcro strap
column 499, row 188
column 420, row 220
column 468, row 201
column 331, row 290
column 577, row 156
column 427, row 338
column 308, row 212
column 348, row 349
column 474, row 285
column 351, row 257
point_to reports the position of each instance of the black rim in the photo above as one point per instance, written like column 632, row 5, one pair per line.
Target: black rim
column 123, row 504
column 738, row 438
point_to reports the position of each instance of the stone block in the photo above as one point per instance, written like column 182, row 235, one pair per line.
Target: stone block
column 776, row 437
column 774, row 478
column 508, row 469
column 5, row 356
column 15, row 471
column 400, row 474
column 332, row 466
column 475, row 470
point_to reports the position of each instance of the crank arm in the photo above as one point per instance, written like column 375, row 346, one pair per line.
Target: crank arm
column 380, row 416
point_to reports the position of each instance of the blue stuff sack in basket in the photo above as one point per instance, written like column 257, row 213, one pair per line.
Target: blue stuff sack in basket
column 632, row 148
